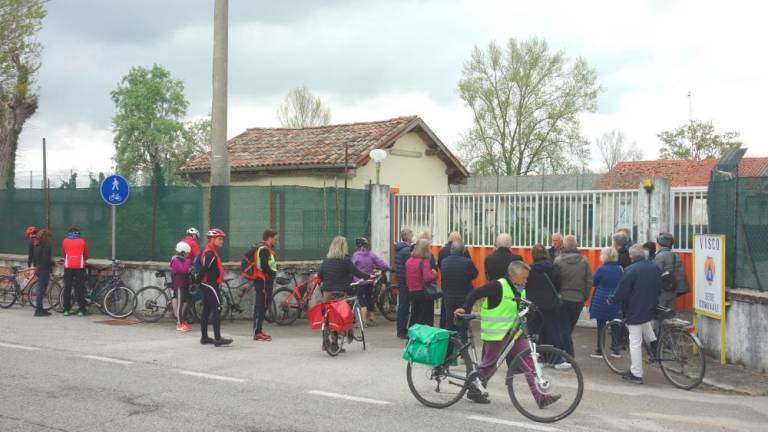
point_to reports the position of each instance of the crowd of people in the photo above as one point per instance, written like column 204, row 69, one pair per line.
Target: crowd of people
column 631, row 281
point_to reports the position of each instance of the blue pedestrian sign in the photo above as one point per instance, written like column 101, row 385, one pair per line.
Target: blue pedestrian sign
column 114, row 190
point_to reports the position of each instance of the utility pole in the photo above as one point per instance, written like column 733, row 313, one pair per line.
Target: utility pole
column 690, row 107
column 46, row 186
column 220, row 176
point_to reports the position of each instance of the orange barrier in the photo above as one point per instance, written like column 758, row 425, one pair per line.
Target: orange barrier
column 478, row 254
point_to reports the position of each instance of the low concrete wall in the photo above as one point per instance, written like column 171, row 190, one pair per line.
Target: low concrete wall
column 746, row 330
column 140, row 274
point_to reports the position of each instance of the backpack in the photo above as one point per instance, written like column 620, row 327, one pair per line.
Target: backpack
column 248, row 263
column 197, row 266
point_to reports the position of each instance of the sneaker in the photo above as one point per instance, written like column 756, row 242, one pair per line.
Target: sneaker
column 206, row 341
column 563, row 366
column 478, row 398
column 185, row 327
column 81, row 313
column 548, row 400
column 42, row 313
column 221, row 342
column 615, row 354
column 67, row 313
column 179, row 327
column 260, row 337
column 629, row 377
column 266, row 337
column 597, row 354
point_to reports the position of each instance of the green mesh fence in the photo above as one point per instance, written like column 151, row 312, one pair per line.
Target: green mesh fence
column 738, row 208
column 153, row 220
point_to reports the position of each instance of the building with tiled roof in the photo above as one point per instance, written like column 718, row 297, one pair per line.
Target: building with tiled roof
column 681, row 173
column 417, row 161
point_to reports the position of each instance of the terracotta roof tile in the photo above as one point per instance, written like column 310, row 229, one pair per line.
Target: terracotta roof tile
column 628, row 175
column 263, row 148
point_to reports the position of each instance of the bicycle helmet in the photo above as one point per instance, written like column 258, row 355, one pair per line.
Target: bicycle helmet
column 216, row 232
column 665, row 239
column 192, row 231
column 31, row 231
column 361, row 242
column 183, row 247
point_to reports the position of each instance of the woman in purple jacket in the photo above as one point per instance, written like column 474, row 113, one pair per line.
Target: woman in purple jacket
column 366, row 261
column 180, row 266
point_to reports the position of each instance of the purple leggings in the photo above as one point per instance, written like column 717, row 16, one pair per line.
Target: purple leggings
column 491, row 350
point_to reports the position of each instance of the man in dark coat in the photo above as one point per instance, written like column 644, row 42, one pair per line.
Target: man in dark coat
column 445, row 251
column 638, row 292
column 402, row 253
column 620, row 243
column 557, row 246
column 457, row 272
column 497, row 263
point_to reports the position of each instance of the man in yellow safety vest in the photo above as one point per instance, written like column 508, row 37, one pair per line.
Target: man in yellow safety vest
column 498, row 315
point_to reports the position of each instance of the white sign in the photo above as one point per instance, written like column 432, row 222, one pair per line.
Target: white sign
column 709, row 275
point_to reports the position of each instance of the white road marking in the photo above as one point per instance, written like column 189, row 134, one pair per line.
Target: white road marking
column 514, row 423
column 347, row 397
column 107, row 359
column 23, row 347
column 211, row 376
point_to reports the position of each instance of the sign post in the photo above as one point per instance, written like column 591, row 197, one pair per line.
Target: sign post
column 115, row 192
column 709, row 281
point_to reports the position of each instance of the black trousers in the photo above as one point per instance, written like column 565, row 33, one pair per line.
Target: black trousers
column 211, row 310
column 422, row 309
column 449, row 306
column 76, row 278
column 263, row 292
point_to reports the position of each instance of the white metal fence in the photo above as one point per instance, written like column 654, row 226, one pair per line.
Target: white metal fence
column 688, row 215
column 530, row 218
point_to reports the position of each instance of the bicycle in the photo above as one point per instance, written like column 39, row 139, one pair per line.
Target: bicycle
column 153, row 302
column 333, row 341
column 11, row 291
column 445, row 384
column 291, row 302
column 679, row 353
column 385, row 296
column 228, row 305
column 98, row 283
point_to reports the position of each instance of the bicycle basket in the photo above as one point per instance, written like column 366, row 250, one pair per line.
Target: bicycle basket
column 427, row 345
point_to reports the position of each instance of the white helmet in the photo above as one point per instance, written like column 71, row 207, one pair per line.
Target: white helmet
column 183, row 247
column 193, row 232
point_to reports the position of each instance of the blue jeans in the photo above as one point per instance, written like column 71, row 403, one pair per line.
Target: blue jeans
column 403, row 311
column 42, row 284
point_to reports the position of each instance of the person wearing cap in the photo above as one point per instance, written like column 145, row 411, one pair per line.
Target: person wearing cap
column 672, row 270
column 180, row 266
column 76, row 255
column 366, row 261
column 211, row 276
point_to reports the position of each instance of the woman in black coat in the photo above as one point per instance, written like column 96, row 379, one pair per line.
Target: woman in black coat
column 543, row 289
column 337, row 269
column 41, row 257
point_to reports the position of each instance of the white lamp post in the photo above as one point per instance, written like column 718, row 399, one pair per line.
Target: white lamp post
column 378, row 155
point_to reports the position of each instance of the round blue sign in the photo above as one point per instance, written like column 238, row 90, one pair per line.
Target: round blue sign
column 114, row 190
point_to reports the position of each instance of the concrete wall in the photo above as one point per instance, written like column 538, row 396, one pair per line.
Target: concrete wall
column 381, row 243
column 140, row 274
column 412, row 174
column 656, row 217
column 745, row 331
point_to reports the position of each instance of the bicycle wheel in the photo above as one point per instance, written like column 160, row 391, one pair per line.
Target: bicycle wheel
column 358, row 330
column 551, row 397
column 119, row 302
column 46, row 295
column 54, row 294
column 439, row 386
column 9, row 291
column 287, row 306
column 387, row 303
column 196, row 311
column 615, row 347
column 151, row 304
column 682, row 359
column 333, row 342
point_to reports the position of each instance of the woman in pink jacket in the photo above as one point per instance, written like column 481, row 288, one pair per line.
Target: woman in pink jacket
column 418, row 272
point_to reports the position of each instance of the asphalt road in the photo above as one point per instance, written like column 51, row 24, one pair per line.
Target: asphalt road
column 76, row 374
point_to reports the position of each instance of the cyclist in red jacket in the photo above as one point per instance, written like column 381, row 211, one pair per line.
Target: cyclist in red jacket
column 191, row 239
column 75, row 257
column 211, row 276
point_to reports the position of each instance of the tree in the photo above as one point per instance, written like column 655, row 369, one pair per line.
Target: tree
column 20, row 21
column 71, row 183
column 696, row 140
column 148, row 123
column 194, row 141
column 613, row 150
column 525, row 102
column 301, row 109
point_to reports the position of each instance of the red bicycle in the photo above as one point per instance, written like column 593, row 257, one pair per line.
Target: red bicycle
column 291, row 302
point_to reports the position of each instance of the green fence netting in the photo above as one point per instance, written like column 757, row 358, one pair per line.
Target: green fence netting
column 153, row 220
column 738, row 208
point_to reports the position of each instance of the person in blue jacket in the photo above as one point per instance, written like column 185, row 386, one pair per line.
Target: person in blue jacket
column 606, row 280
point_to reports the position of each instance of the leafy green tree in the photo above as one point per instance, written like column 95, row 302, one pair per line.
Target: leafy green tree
column 20, row 21
column 525, row 102
column 149, row 123
column 696, row 140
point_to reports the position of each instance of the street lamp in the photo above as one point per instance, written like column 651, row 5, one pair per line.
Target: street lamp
column 378, row 156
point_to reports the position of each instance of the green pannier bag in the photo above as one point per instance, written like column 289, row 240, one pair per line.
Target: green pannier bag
column 427, row 345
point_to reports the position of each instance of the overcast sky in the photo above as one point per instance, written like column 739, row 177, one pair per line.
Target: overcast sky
column 372, row 60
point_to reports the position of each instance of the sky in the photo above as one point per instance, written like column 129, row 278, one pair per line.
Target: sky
column 373, row 60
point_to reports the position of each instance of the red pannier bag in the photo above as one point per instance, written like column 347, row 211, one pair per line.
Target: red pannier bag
column 340, row 317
